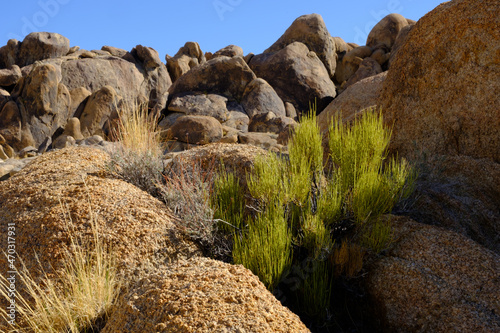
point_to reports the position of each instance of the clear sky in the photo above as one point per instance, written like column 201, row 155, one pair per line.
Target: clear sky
column 167, row 25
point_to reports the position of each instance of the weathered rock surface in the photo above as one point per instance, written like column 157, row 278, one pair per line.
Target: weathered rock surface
column 221, row 75
column 349, row 63
column 448, row 106
column 386, row 31
column 297, row 75
column 311, row 31
column 188, row 56
column 201, row 295
column 260, row 97
column 400, row 39
column 42, row 45
column 199, row 104
column 462, row 194
column 368, row 67
column 229, row 51
column 199, row 130
column 269, row 122
column 361, row 95
column 433, row 280
column 11, row 76
column 73, row 181
column 101, row 108
column 9, row 53
column 45, row 105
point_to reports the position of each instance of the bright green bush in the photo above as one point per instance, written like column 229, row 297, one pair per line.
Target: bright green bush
column 229, row 203
column 300, row 205
column 265, row 248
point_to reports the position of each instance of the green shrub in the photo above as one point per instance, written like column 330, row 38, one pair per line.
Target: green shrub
column 265, row 248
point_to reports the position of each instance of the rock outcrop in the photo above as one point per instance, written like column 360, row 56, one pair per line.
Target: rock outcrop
column 222, row 75
column 40, row 199
column 201, row 295
column 357, row 97
column 441, row 92
column 433, row 280
column 311, row 31
column 297, row 75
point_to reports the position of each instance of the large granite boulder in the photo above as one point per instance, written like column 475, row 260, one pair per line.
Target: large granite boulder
column 311, row 31
column 442, row 91
column 297, row 75
column 201, row 295
column 433, row 280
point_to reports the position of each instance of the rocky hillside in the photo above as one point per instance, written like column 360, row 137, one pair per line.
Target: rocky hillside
column 436, row 82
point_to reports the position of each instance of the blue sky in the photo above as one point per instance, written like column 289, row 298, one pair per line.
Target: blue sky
column 167, row 25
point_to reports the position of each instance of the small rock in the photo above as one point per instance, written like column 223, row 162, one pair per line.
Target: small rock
column 93, row 140
column 229, row 51
column 45, row 145
column 198, row 130
column 63, row 141
column 263, row 140
column 73, row 129
column 3, row 156
column 212, row 105
column 28, row 152
column 11, row 76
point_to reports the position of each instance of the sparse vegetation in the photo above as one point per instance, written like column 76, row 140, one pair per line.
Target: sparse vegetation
column 77, row 298
column 301, row 204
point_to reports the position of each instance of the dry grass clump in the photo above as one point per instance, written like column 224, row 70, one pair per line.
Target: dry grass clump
column 76, row 300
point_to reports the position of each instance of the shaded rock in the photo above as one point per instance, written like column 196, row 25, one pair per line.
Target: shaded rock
column 11, row 76
column 101, row 108
column 238, row 120
column 229, row 51
column 188, row 56
column 136, row 225
column 117, row 52
column 269, row 122
column 311, row 31
column 42, row 45
column 11, row 166
column 368, row 67
column 200, row 104
column 44, row 146
column 94, row 140
column 27, row 152
column 9, row 53
column 386, row 31
column 64, row 141
column 45, row 105
column 435, row 280
column 221, row 75
column 231, row 294
column 258, row 139
column 380, row 56
column 10, row 123
column 169, row 120
column 350, row 62
column 400, row 39
column 357, row 97
column 449, row 106
column 249, row 57
column 448, row 194
column 290, row 111
column 148, row 56
column 79, row 97
column 198, row 130
column 297, row 75
column 123, row 76
column 260, row 97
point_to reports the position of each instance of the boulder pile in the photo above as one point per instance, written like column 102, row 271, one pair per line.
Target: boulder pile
column 436, row 82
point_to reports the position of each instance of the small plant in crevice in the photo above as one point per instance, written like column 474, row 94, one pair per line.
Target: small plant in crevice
column 330, row 218
column 137, row 159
